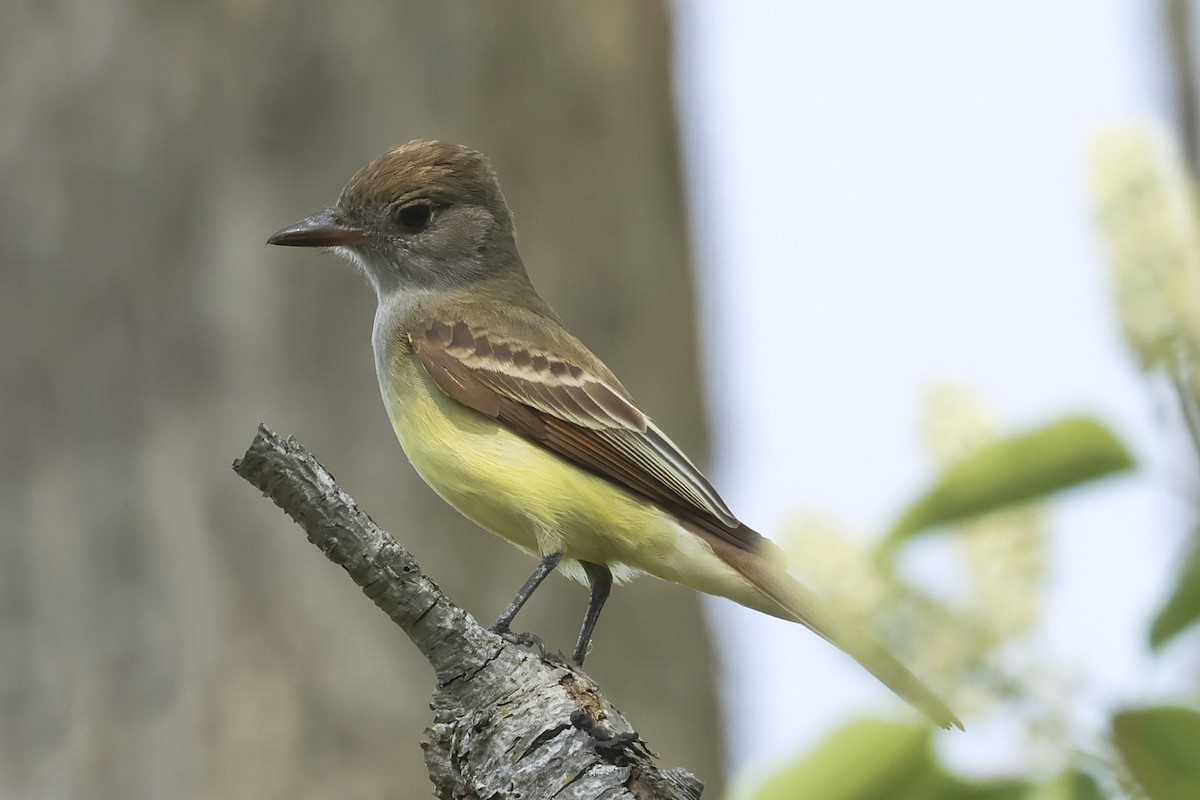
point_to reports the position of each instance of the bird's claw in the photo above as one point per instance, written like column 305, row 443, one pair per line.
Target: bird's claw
column 520, row 639
column 616, row 748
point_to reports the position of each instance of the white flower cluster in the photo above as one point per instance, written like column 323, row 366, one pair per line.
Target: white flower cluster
column 964, row 644
column 1146, row 209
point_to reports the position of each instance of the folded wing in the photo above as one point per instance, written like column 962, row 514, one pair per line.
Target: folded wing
column 556, row 402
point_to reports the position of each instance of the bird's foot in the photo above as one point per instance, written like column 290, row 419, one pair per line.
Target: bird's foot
column 616, row 748
column 520, row 639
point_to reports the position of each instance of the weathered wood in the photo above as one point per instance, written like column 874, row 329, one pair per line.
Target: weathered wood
column 507, row 723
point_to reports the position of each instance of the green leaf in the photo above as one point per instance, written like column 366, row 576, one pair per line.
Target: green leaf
column 992, row 790
column 1015, row 470
column 1161, row 747
column 1071, row 784
column 863, row 760
column 1182, row 608
column 871, row 759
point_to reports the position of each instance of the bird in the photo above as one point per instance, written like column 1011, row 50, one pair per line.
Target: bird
column 515, row 423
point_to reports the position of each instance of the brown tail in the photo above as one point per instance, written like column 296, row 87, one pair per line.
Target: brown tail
column 792, row 601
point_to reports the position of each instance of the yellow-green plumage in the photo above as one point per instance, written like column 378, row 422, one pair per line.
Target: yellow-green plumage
column 534, row 498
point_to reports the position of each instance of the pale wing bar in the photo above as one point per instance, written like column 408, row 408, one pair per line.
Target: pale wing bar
column 562, row 406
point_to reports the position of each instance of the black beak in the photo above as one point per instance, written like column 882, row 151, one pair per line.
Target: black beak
column 323, row 229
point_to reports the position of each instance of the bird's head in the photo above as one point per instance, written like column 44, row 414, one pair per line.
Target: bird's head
column 424, row 215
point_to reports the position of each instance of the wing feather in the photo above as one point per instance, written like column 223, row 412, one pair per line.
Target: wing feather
column 547, row 398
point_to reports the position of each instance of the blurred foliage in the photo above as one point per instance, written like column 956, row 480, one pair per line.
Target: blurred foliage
column 988, row 493
column 1161, row 747
column 869, row 759
column 1149, row 220
column 1071, row 784
column 965, row 645
column 1182, row 608
column 1002, row 553
column 1001, row 536
column 1017, row 469
column 872, row 758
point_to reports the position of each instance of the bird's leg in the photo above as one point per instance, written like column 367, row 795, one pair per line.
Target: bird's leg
column 600, row 579
column 501, row 627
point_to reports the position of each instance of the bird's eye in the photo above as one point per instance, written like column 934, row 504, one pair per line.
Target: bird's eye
column 414, row 216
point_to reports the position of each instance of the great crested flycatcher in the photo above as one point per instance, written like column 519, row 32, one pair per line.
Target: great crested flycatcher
column 521, row 428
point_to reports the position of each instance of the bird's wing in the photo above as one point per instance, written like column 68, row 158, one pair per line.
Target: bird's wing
column 586, row 417
column 557, row 402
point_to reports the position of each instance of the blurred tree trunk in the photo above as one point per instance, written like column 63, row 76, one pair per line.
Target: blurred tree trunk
column 146, row 649
column 1180, row 34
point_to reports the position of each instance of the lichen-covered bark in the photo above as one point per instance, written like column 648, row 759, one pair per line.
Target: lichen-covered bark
column 507, row 723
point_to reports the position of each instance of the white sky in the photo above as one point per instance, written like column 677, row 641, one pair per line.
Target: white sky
column 887, row 195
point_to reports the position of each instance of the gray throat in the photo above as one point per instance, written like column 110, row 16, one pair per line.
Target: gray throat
column 397, row 312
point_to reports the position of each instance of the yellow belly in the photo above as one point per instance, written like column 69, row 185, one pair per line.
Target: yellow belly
column 534, row 498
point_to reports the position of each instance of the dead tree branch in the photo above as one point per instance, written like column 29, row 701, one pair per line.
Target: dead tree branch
column 506, row 722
